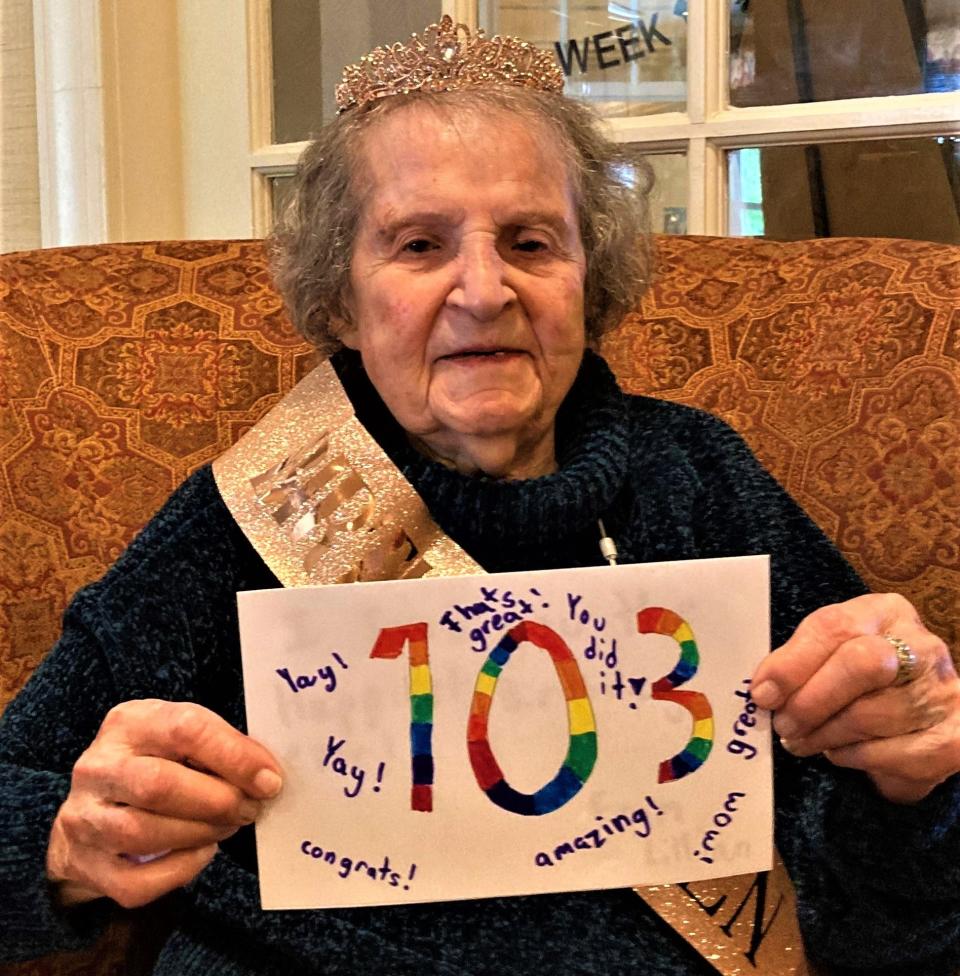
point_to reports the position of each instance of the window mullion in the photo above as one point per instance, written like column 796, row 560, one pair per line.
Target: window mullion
column 711, row 166
column 260, row 73
column 260, row 67
column 715, row 189
column 697, row 186
column 784, row 125
column 856, row 117
column 463, row 11
column 715, row 57
column 707, row 188
column 698, row 60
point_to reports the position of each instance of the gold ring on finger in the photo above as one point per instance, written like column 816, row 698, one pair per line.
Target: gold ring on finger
column 906, row 660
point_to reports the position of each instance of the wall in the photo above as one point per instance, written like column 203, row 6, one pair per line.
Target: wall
column 214, row 118
column 141, row 119
column 19, row 173
column 176, row 119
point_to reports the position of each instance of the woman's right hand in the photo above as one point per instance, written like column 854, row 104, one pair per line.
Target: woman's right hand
column 161, row 778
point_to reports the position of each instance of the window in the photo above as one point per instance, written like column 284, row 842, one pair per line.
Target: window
column 297, row 53
column 791, row 118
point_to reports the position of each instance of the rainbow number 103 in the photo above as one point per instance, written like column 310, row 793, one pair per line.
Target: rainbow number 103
column 581, row 754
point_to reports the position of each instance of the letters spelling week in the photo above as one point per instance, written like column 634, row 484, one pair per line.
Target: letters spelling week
column 605, row 48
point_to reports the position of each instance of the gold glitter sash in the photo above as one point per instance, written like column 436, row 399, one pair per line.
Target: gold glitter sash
column 322, row 503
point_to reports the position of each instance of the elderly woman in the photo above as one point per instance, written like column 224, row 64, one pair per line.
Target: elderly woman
column 458, row 241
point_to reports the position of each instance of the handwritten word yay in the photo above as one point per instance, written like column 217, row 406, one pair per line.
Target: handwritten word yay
column 327, row 674
column 356, row 774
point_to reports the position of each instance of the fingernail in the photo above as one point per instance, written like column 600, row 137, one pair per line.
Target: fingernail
column 267, row 782
column 766, row 694
column 249, row 810
column 798, row 747
column 786, row 727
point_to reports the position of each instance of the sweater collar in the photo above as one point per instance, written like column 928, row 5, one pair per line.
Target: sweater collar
column 506, row 524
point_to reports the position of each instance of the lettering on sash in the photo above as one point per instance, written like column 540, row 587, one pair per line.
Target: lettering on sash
column 758, row 924
column 316, row 496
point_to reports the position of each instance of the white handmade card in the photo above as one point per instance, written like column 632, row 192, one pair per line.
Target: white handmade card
column 509, row 734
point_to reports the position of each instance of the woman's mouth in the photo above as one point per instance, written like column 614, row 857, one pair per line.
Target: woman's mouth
column 467, row 356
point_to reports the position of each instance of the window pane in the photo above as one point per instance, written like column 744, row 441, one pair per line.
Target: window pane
column 313, row 42
column 668, row 203
column 784, row 51
column 627, row 57
column 281, row 186
column 882, row 188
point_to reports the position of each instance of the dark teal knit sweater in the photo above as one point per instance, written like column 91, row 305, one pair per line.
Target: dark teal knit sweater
column 879, row 885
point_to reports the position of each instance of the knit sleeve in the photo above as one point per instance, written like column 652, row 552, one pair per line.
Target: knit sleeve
column 878, row 884
column 42, row 733
column 742, row 510
column 160, row 624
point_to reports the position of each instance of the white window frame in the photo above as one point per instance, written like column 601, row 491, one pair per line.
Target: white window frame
column 704, row 133
column 269, row 159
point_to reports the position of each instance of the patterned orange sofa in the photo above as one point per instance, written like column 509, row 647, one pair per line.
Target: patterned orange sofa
column 124, row 367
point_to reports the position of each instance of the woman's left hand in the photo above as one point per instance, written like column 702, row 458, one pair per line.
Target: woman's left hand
column 834, row 686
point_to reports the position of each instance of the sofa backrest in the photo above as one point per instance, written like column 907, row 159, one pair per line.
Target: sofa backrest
column 124, row 367
column 839, row 362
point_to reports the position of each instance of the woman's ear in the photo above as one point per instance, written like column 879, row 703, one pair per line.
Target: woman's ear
column 342, row 321
column 345, row 331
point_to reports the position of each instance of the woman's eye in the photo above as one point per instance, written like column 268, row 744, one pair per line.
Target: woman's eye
column 419, row 245
column 530, row 245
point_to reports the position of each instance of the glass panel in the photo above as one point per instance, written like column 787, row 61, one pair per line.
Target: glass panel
column 882, row 188
column 668, row 203
column 313, row 42
column 281, row 186
column 784, row 51
column 744, row 194
column 627, row 57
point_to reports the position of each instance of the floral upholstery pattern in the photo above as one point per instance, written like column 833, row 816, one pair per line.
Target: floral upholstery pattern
column 839, row 362
column 123, row 367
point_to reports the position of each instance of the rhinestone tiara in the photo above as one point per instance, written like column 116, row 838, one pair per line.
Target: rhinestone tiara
column 446, row 57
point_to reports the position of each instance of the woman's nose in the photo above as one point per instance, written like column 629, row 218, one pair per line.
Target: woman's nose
column 481, row 287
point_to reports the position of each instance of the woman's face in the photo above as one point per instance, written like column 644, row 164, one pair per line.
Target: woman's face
column 466, row 287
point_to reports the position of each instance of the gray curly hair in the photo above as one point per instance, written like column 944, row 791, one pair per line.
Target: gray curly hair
column 311, row 246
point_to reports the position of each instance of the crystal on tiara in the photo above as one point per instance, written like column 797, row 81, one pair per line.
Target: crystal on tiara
column 447, row 57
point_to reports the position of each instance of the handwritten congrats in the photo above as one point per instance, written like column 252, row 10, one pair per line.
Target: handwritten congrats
column 511, row 734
